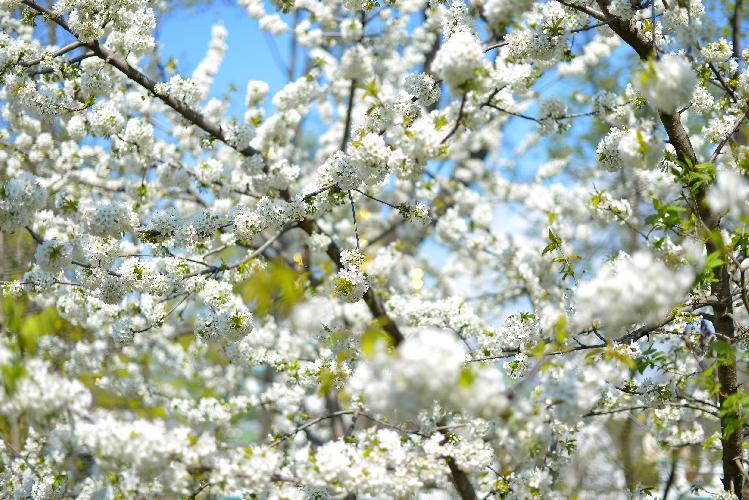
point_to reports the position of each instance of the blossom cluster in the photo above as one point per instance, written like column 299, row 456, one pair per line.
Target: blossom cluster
column 457, row 252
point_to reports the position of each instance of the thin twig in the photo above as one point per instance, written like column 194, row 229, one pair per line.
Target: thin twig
column 353, row 214
column 735, row 129
column 457, row 120
column 69, row 47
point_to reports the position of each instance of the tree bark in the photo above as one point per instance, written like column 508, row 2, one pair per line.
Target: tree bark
column 733, row 476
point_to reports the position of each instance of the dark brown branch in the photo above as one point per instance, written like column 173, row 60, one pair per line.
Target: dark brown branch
column 460, row 480
column 457, row 120
column 727, row 138
column 349, row 111
column 604, row 17
column 370, row 297
column 671, row 474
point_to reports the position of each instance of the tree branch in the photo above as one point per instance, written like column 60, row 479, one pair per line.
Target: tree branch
column 144, row 81
column 603, row 17
column 57, row 53
column 370, row 297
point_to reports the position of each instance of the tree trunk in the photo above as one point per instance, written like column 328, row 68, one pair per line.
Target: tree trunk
column 733, row 478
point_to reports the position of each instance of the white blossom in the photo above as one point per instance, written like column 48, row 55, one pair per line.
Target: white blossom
column 729, row 194
column 668, row 83
column 459, row 61
column 637, row 289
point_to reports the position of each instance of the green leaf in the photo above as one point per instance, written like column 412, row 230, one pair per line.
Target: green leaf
column 375, row 338
column 467, row 376
column 555, row 242
column 12, row 374
column 440, row 122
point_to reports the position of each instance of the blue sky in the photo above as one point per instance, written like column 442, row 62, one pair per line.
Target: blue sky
column 184, row 35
